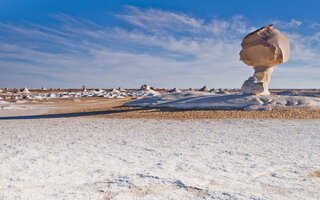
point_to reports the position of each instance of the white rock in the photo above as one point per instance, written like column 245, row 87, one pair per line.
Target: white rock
column 263, row 49
column 25, row 90
column 174, row 90
column 84, row 89
column 52, row 95
column 121, row 89
column 204, row 89
column 252, row 86
column 214, row 90
column 145, row 87
column 115, row 91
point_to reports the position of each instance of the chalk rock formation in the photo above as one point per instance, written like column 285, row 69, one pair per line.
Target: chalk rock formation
column 25, row 90
column 145, row 87
column 84, row 88
column 174, row 90
column 115, row 91
column 263, row 49
column 121, row 89
column 204, row 89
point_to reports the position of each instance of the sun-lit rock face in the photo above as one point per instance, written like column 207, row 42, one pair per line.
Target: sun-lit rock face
column 84, row 88
column 263, row 49
column 145, row 87
column 204, row 89
column 25, row 90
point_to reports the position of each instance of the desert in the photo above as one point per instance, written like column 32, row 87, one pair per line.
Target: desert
column 95, row 144
column 159, row 100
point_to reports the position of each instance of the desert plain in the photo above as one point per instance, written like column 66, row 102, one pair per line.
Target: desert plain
column 96, row 145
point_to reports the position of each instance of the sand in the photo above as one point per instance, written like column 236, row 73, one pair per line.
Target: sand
column 100, row 158
column 98, row 107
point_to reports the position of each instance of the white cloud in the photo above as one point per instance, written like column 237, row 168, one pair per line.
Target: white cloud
column 287, row 25
column 158, row 20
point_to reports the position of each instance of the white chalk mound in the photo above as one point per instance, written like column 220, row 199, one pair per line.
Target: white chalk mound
column 174, row 90
column 235, row 101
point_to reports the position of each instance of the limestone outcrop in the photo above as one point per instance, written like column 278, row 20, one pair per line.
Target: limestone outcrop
column 204, row 89
column 84, row 88
column 25, row 90
column 263, row 49
column 145, row 87
column 174, row 90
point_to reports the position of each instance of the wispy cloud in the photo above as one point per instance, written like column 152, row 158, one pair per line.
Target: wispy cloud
column 285, row 25
column 157, row 20
column 162, row 48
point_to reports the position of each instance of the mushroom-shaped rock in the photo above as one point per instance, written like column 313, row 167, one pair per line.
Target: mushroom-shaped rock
column 263, row 49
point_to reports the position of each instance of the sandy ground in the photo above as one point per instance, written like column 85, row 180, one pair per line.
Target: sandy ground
column 93, row 148
column 100, row 158
column 112, row 108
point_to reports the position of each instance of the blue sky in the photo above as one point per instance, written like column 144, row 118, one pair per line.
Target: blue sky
column 167, row 43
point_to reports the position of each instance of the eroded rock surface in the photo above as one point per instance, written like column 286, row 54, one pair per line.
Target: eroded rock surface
column 263, row 49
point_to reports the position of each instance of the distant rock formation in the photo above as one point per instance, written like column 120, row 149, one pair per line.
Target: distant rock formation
column 145, row 87
column 214, row 90
column 175, row 90
column 115, row 91
column 84, row 89
column 25, row 90
column 121, row 89
column 43, row 88
column 204, row 89
column 263, row 49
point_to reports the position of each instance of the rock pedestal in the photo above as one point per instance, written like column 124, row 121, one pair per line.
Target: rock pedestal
column 258, row 83
column 263, row 49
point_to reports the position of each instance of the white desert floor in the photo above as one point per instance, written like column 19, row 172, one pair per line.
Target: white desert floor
column 87, row 158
